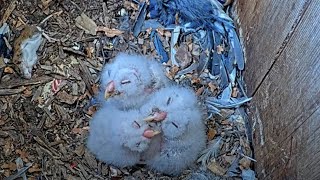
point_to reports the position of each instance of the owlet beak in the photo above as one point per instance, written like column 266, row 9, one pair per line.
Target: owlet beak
column 157, row 117
column 149, row 133
column 110, row 90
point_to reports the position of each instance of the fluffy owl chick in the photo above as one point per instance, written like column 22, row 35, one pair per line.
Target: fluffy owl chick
column 118, row 137
column 129, row 79
column 183, row 131
column 159, row 79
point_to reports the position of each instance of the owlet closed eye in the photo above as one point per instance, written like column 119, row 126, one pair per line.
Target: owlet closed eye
column 125, row 81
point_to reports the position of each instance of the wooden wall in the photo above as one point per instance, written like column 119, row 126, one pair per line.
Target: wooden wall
column 282, row 47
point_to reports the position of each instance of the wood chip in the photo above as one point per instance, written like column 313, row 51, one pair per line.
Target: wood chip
column 86, row 23
column 65, row 97
column 110, row 32
column 216, row 168
column 74, row 51
column 4, row 92
column 23, row 82
column 80, row 150
column 90, row 159
column 245, row 163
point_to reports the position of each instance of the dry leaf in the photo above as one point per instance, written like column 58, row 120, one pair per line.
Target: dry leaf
column 34, row 168
column 11, row 166
column 109, row 32
column 7, row 173
column 211, row 134
column 76, row 130
column 212, row 87
column 8, row 70
column 91, row 110
column 183, row 56
column 199, row 91
column 95, row 88
column 174, row 70
column 45, row 4
column 90, row 52
column 195, row 80
column 8, row 148
column 23, row 155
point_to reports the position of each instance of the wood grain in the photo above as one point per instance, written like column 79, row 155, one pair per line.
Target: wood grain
column 287, row 104
column 265, row 26
column 308, row 161
column 299, row 155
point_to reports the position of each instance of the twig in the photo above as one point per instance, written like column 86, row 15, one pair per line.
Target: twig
column 73, row 51
column 248, row 157
column 50, row 39
column 24, row 23
column 76, row 6
column 8, row 12
column 48, row 17
column 7, row 43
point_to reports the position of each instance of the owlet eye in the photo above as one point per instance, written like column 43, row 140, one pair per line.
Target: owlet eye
column 136, row 125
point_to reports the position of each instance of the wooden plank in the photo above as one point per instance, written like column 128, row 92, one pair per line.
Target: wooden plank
column 265, row 26
column 300, row 155
column 289, row 95
column 308, row 162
